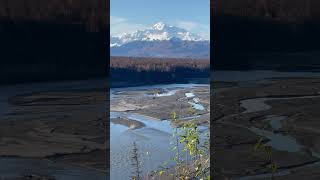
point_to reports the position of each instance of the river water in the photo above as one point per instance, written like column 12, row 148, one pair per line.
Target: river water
column 154, row 141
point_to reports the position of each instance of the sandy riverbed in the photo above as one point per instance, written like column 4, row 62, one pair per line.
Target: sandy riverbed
column 281, row 111
column 59, row 125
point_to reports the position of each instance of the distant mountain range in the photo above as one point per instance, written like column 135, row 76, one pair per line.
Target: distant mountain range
column 161, row 40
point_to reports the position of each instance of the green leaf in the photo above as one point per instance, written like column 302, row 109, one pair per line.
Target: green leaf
column 161, row 172
column 174, row 148
column 258, row 145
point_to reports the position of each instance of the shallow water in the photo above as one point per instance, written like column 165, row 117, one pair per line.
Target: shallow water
column 149, row 122
column 255, row 105
column 258, row 104
column 164, row 93
column 277, row 141
column 189, row 95
column 153, row 140
column 197, row 106
column 196, row 100
column 275, row 121
column 153, row 149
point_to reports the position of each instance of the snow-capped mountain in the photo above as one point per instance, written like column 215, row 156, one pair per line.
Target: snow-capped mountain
column 159, row 31
column 161, row 40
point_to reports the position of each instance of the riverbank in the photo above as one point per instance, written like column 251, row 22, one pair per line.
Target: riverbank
column 283, row 112
column 62, row 126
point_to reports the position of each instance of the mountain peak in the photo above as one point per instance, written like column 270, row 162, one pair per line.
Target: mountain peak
column 158, row 32
column 159, row 26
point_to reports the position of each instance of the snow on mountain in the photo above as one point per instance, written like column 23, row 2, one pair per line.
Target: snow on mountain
column 175, row 48
column 159, row 26
column 158, row 32
column 115, row 42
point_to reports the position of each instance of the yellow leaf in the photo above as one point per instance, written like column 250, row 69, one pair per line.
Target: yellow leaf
column 161, row 172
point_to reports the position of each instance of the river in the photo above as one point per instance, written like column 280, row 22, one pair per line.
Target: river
column 154, row 140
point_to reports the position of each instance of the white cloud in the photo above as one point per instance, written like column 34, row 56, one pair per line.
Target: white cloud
column 188, row 25
column 198, row 28
column 116, row 20
column 119, row 25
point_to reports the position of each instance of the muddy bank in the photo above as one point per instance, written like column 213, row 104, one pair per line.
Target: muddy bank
column 65, row 125
column 44, row 169
column 280, row 111
column 131, row 124
column 160, row 104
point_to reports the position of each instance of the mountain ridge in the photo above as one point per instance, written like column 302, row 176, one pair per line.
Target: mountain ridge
column 161, row 40
column 159, row 31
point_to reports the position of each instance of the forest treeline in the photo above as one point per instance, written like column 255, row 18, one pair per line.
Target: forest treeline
column 280, row 10
column 136, row 70
column 245, row 30
column 45, row 40
column 93, row 13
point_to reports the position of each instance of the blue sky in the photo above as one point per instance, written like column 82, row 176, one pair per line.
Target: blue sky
column 131, row 15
